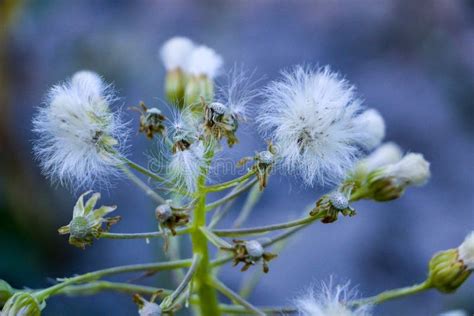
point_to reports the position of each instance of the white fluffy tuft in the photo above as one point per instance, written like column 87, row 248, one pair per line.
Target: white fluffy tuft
column 373, row 124
column 388, row 153
column 330, row 300
column 466, row 251
column 77, row 132
column 413, row 169
column 311, row 118
column 204, row 61
column 186, row 166
column 175, row 52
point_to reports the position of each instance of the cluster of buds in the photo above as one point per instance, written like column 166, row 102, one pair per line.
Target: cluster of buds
column 171, row 218
column 87, row 222
column 219, row 122
column 250, row 253
column 385, row 174
column 329, row 206
column 148, row 308
column 450, row 268
column 151, row 121
column 22, row 303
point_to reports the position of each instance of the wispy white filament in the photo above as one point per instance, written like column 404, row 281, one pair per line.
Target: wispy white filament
column 175, row 52
column 204, row 61
column 388, row 153
column 313, row 118
column 466, row 251
column 79, row 136
column 186, row 166
column 373, row 125
column 329, row 300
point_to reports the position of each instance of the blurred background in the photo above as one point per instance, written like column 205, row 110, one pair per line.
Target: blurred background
column 411, row 60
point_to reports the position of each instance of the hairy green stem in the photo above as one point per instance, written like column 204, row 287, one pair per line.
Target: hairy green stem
column 394, row 294
column 107, row 235
column 143, row 170
column 252, row 198
column 208, row 296
column 100, row 286
column 93, row 276
column 230, row 183
column 240, row 310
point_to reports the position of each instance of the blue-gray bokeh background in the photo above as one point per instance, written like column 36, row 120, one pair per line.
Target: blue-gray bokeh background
column 412, row 60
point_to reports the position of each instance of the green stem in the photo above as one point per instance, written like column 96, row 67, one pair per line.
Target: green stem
column 221, row 287
column 92, row 276
column 140, row 235
column 239, row 310
column 252, row 199
column 231, row 196
column 208, row 296
column 229, row 184
column 93, row 288
column 143, row 170
column 264, row 229
column 393, row 294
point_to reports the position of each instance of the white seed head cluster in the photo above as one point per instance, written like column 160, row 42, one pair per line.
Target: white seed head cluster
column 329, row 300
column 181, row 53
column 386, row 154
column 79, row 137
column 313, row 119
column 412, row 169
column 466, row 251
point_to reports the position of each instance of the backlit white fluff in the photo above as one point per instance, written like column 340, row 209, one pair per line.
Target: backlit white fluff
column 79, row 137
column 413, row 169
column 186, row 166
column 466, row 251
column 373, row 125
column 330, row 300
column 312, row 118
column 204, row 61
column 388, row 153
column 237, row 92
column 175, row 52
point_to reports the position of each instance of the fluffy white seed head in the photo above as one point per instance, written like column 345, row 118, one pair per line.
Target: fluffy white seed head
column 186, row 166
column 204, row 61
column 329, row 300
column 386, row 154
column 373, row 124
column 175, row 52
column 413, row 169
column 79, row 137
column 466, row 251
column 311, row 117
column 457, row 312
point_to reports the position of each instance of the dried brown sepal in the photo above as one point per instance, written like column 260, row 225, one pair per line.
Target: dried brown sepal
column 241, row 255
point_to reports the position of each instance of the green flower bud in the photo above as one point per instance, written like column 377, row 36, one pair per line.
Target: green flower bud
column 198, row 87
column 22, row 304
column 175, row 84
column 447, row 271
column 6, row 291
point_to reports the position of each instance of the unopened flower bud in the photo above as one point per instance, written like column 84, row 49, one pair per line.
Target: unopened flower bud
column 198, row 88
column 254, row 249
column 22, row 304
column 175, row 84
column 163, row 213
column 449, row 269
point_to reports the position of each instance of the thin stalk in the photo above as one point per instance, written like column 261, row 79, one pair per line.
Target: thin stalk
column 95, row 287
column 168, row 302
column 394, row 294
column 231, row 195
column 142, row 185
column 143, row 170
column 239, row 310
column 229, row 184
column 221, row 287
column 252, row 199
column 264, row 229
column 215, row 240
column 92, row 276
column 147, row 235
